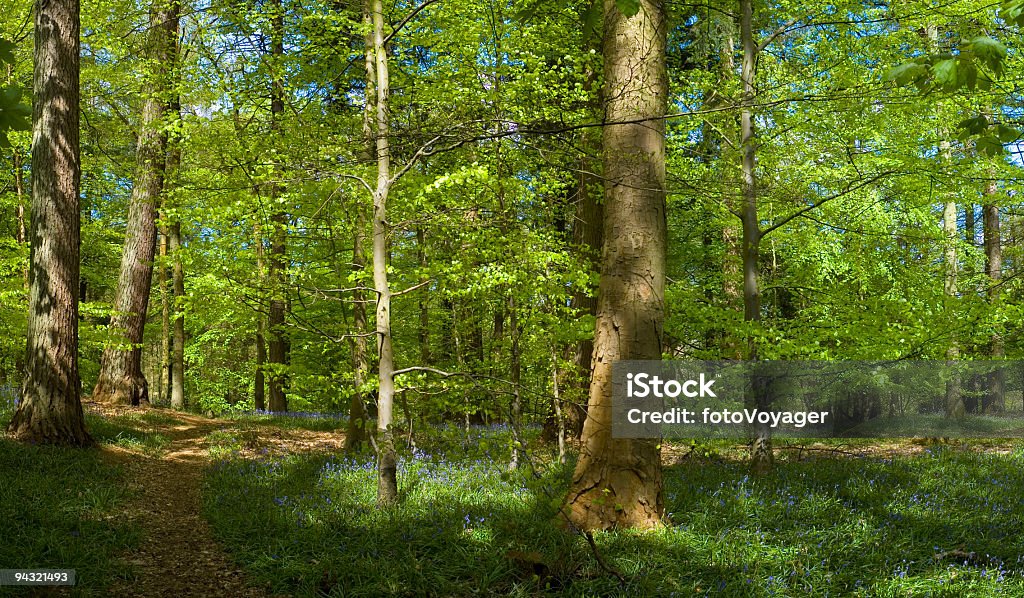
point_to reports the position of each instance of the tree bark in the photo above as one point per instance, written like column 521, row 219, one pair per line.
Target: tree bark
column 761, row 458
column 260, row 378
column 51, row 410
column 278, row 345
column 387, row 465
column 994, row 400
column 121, row 380
column 618, row 481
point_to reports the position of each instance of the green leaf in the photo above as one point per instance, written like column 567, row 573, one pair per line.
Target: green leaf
column 905, row 73
column 6, row 51
column 944, row 72
column 1007, row 134
column 628, row 8
column 989, row 146
column 989, row 51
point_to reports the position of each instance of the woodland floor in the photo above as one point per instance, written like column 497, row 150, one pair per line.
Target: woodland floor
column 178, row 555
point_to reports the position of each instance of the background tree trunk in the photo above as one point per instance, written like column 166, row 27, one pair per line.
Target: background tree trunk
column 994, row 400
column 51, row 410
column 121, row 380
column 278, row 345
column 387, row 462
column 761, row 457
column 617, row 482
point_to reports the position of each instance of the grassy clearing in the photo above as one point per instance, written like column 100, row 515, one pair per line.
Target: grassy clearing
column 135, row 431
column 943, row 523
column 60, row 509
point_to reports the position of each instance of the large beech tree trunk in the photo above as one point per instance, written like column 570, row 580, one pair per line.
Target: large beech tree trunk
column 121, row 380
column 51, row 410
column 618, row 482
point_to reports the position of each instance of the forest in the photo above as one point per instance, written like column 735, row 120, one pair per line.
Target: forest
column 333, row 297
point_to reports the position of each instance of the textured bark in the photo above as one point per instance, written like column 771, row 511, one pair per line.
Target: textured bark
column 618, row 482
column 278, row 346
column 174, row 247
column 761, row 458
column 178, row 320
column 163, row 392
column 387, row 480
column 954, row 399
column 51, row 410
column 121, row 380
column 994, row 400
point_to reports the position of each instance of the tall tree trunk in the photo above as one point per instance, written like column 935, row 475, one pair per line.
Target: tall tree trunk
column 163, row 393
column 278, row 345
column 761, row 457
column 176, row 372
column 515, row 377
column 954, row 399
column 424, row 293
column 51, row 410
column 732, row 257
column 177, row 366
column 260, row 377
column 618, row 481
column 994, row 400
column 387, row 462
column 121, row 380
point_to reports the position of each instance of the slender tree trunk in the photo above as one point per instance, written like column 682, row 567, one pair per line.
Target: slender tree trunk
column 51, row 410
column 994, row 400
column 19, row 210
column 387, row 462
column 174, row 246
column 587, row 236
column 618, row 481
column 178, row 320
column 954, row 400
column 260, row 378
column 761, row 457
column 163, row 394
column 970, row 226
column 515, row 377
column 424, row 293
column 278, row 345
column 732, row 258
column 121, row 380
column 557, row 401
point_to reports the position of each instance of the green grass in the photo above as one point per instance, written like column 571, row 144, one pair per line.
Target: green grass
column 826, row 527
column 132, row 431
column 59, row 509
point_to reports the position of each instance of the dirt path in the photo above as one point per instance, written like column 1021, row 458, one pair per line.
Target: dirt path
column 177, row 555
